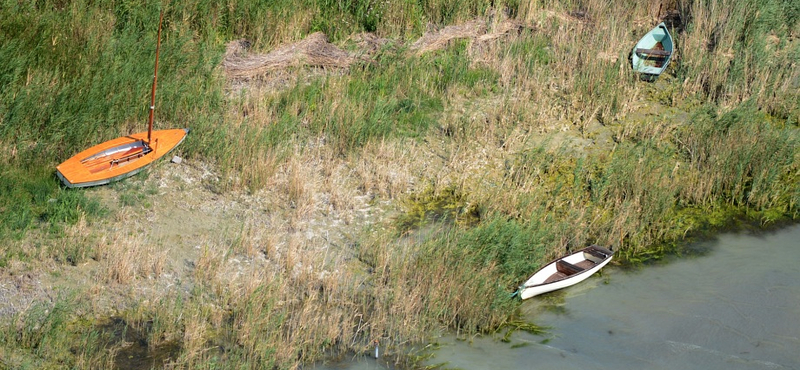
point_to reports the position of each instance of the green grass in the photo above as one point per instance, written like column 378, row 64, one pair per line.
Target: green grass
column 51, row 335
column 395, row 97
column 534, row 50
column 449, row 206
column 33, row 201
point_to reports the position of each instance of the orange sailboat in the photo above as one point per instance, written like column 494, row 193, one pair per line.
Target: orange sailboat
column 124, row 156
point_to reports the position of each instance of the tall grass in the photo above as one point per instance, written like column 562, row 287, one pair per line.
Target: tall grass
column 32, row 201
column 80, row 74
column 395, row 97
column 454, row 134
column 48, row 335
column 735, row 51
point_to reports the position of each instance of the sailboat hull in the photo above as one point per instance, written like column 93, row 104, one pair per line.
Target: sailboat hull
column 117, row 159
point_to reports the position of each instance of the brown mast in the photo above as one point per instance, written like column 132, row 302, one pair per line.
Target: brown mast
column 155, row 79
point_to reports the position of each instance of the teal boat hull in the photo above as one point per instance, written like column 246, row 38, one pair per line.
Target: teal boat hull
column 653, row 52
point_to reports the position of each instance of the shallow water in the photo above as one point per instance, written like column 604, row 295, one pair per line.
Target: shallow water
column 737, row 306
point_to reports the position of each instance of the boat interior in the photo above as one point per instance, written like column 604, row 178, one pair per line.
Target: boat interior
column 567, row 268
column 658, row 48
column 653, row 57
column 592, row 257
column 116, row 156
column 595, row 255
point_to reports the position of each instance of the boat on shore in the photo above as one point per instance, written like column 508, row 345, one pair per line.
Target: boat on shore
column 566, row 271
column 124, row 156
column 118, row 159
column 653, row 52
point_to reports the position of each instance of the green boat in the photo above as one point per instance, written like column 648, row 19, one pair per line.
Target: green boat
column 653, row 52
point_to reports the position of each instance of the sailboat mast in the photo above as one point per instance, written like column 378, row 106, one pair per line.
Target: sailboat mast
column 155, row 79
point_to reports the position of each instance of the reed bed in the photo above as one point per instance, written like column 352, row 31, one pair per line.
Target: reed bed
column 497, row 135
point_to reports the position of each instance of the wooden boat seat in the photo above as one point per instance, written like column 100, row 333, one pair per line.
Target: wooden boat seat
column 567, row 268
column 601, row 249
column 653, row 53
column 594, row 258
column 599, row 252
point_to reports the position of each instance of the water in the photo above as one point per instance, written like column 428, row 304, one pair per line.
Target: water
column 735, row 307
column 135, row 354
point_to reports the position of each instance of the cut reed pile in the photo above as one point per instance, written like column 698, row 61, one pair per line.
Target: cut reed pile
column 313, row 51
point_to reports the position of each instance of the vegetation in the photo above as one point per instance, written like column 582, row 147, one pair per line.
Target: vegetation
column 493, row 157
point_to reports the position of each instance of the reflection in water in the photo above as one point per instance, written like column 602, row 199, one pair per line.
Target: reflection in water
column 735, row 307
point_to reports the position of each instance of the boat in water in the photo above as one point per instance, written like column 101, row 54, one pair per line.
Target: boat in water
column 566, row 271
column 124, row 156
column 652, row 54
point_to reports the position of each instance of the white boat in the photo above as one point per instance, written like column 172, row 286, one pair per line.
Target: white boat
column 566, row 271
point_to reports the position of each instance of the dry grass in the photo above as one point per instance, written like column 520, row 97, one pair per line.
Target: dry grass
column 439, row 39
column 388, row 169
column 125, row 259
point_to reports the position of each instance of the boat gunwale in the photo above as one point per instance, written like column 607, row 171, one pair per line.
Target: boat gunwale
column 596, row 267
